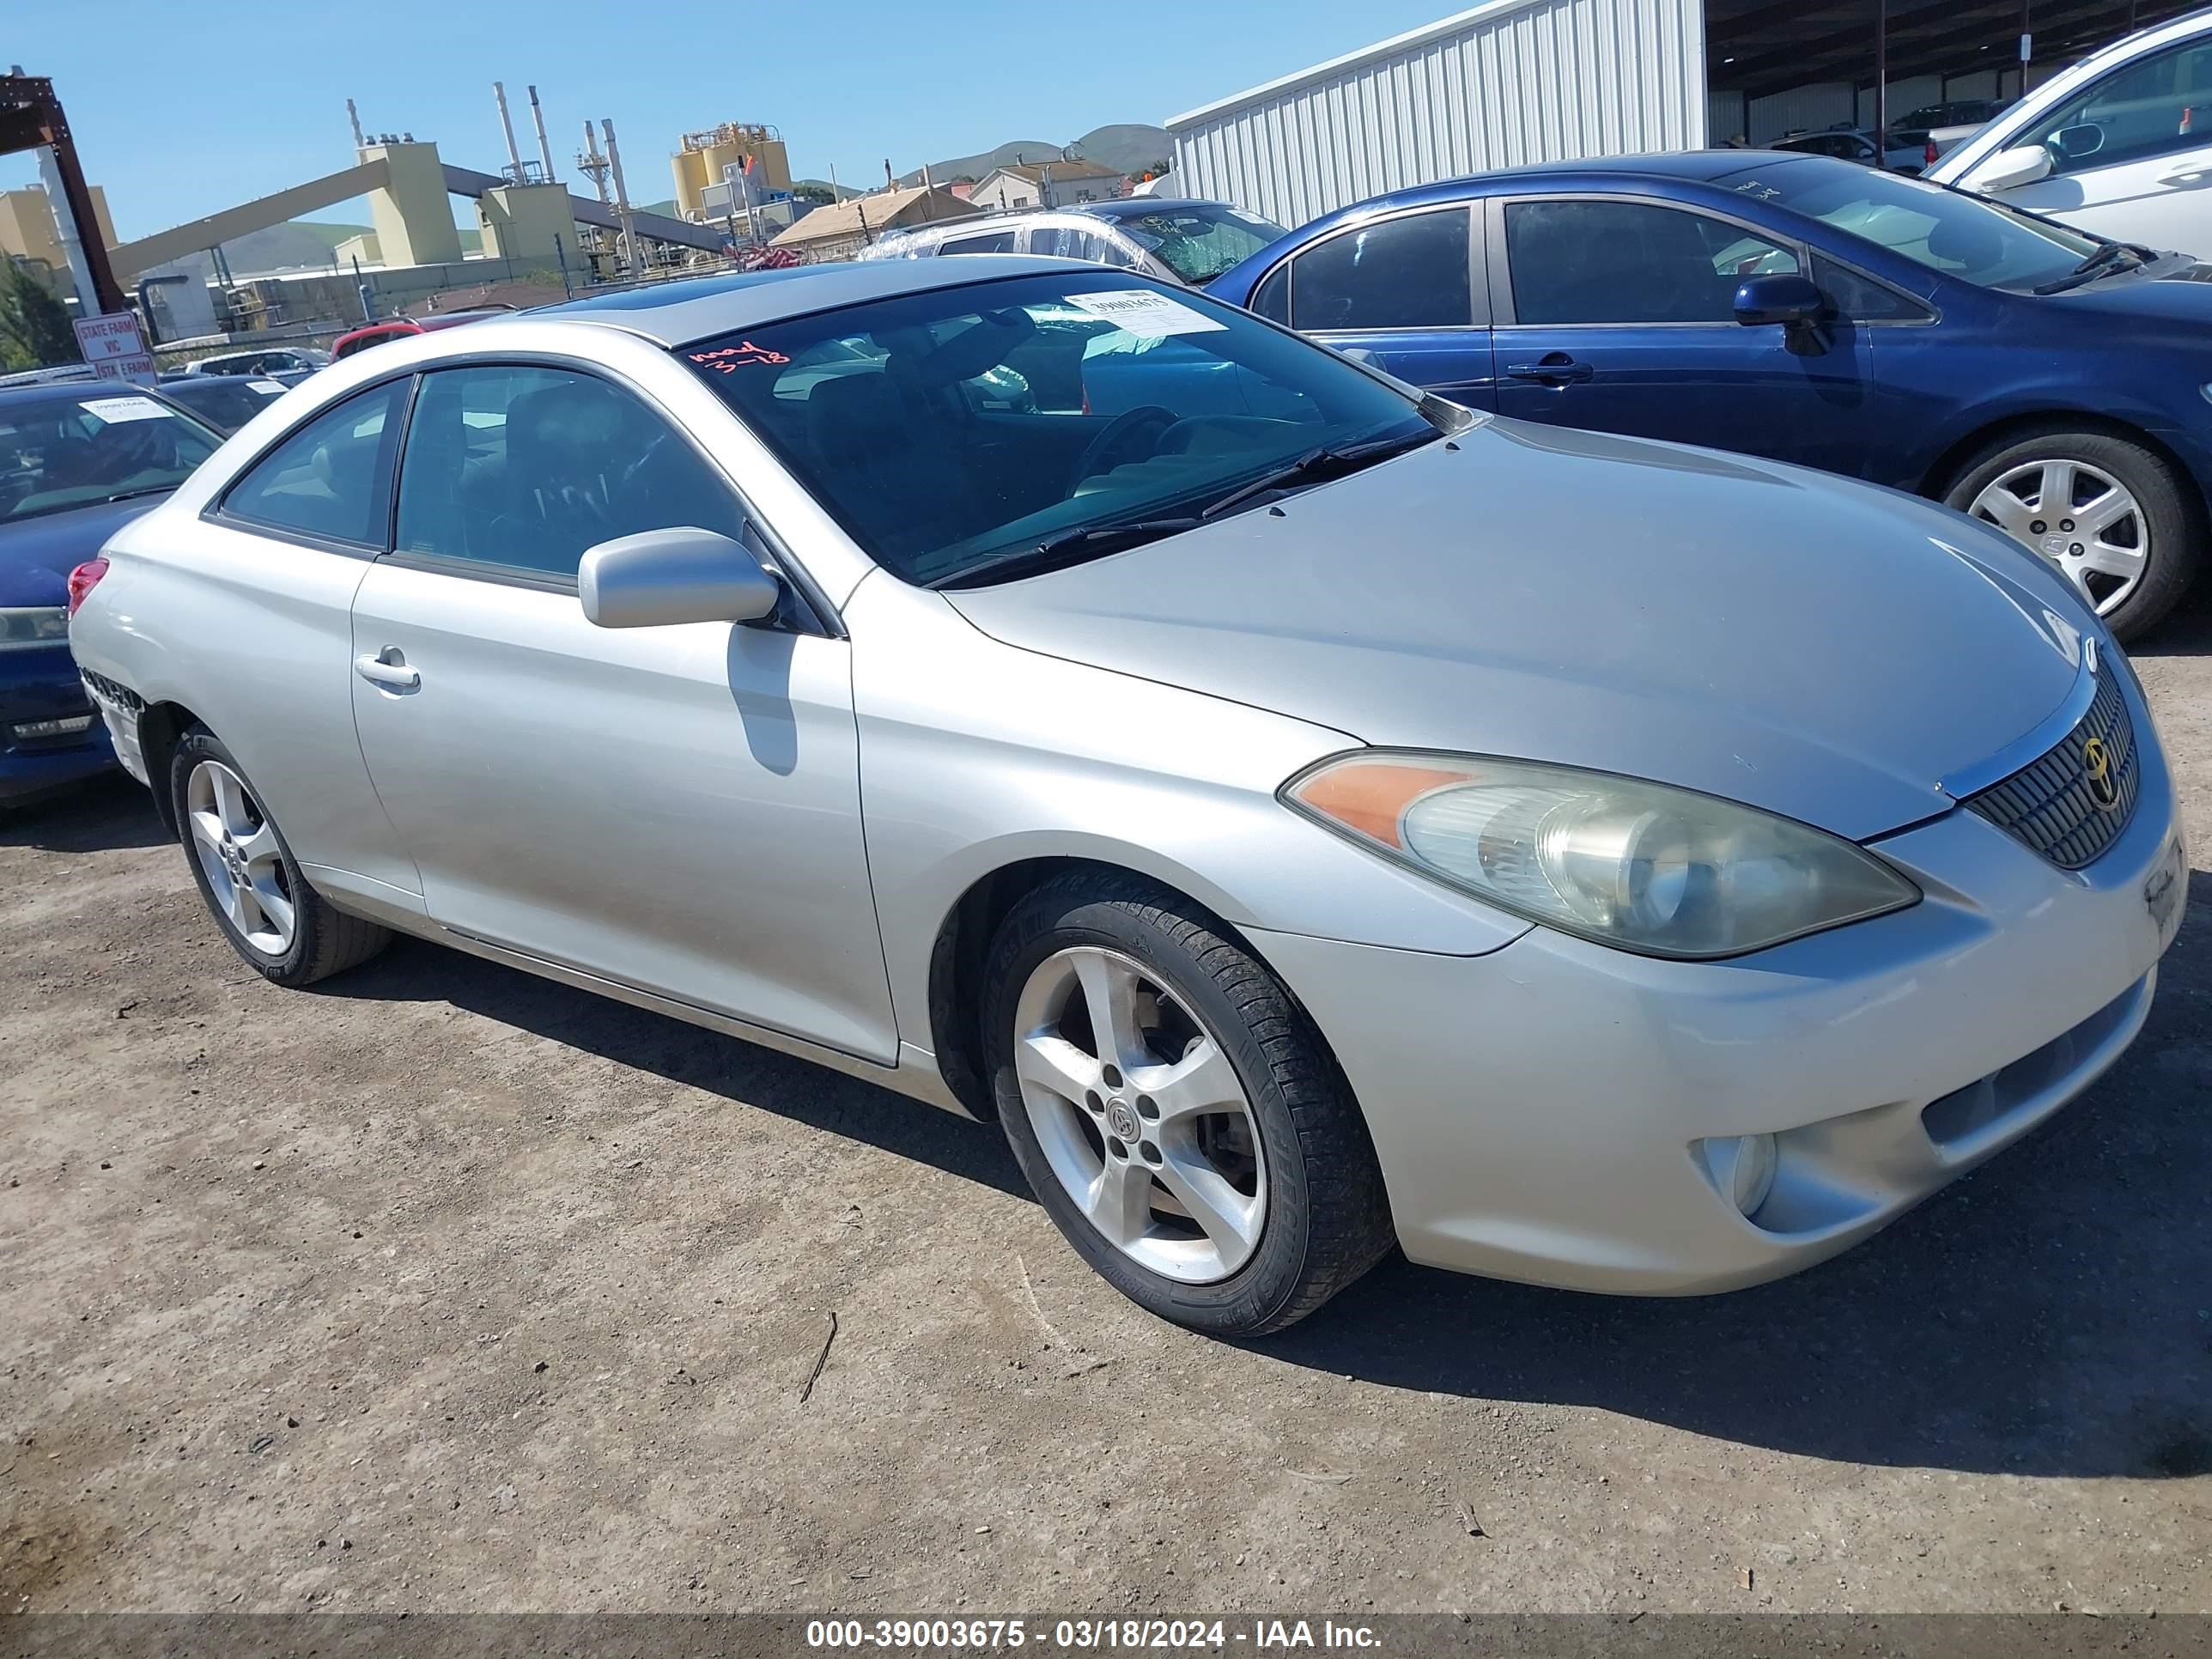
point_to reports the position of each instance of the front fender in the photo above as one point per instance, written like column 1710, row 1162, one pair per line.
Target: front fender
column 975, row 755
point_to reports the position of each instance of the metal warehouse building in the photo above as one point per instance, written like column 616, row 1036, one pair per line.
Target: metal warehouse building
column 1514, row 82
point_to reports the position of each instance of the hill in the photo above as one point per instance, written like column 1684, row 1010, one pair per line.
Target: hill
column 1124, row 147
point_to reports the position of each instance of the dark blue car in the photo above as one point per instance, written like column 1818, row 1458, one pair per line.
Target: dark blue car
column 1808, row 310
column 76, row 460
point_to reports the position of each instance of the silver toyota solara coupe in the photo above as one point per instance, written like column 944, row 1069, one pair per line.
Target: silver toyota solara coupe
column 1307, row 815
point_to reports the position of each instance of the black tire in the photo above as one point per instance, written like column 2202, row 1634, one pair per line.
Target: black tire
column 2174, row 515
column 1329, row 1218
column 326, row 941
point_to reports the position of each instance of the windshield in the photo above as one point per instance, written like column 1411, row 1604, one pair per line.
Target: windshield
column 1197, row 243
column 950, row 429
column 93, row 444
column 1946, row 230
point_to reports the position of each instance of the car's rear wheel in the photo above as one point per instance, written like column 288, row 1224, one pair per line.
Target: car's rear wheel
column 2111, row 516
column 1175, row 1112
column 246, row 873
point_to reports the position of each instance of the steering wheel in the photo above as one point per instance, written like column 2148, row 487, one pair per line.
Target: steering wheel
column 1122, row 432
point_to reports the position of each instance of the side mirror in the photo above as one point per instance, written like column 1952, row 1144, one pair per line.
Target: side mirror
column 2078, row 143
column 1791, row 300
column 2009, row 169
column 661, row 577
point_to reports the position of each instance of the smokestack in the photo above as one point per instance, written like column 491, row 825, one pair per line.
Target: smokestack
column 354, row 116
column 545, row 149
column 594, row 163
column 622, row 200
column 513, row 156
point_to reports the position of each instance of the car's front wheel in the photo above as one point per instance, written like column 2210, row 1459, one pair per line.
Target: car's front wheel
column 290, row 933
column 1175, row 1110
column 2111, row 516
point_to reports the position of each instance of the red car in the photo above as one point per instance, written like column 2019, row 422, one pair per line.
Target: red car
column 394, row 328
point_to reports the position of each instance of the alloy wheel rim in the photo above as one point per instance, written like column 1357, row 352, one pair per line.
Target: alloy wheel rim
column 238, row 852
column 1140, row 1115
column 2079, row 518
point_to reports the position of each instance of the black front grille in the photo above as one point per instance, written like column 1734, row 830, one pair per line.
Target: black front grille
column 2052, row 805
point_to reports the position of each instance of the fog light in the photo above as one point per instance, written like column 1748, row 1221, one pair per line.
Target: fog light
column 54, row 728
column 1743, row 1167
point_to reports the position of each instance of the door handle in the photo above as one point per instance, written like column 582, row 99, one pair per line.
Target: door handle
column 1554, row 368
column 388, row 669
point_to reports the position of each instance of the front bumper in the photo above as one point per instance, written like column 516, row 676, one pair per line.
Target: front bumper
column 40, row 688
column 1539, row 1112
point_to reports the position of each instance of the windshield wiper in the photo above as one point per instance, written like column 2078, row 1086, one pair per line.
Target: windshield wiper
column 143, row 489
column 1317, row 466
column 1066, row 548
column 2109, row 253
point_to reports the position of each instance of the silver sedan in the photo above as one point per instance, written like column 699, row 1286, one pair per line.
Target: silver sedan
column 1308, row 816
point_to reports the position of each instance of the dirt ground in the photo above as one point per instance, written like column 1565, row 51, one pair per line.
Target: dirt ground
column 444, row 1288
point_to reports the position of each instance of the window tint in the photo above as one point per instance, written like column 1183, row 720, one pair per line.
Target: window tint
column 1860, row 298
column 333, row 477
column 1622, row 262
column 1271, row 299
column 2150, row 108
column 997, row 243
column 525, row 468
column 1409, row 272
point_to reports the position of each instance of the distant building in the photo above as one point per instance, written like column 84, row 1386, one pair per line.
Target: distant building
column 1045, row 184
column 841, row 230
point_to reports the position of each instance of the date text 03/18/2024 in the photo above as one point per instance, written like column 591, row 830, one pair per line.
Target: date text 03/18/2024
column 1081, row 1635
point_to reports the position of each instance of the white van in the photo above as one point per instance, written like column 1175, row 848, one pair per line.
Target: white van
column 2120, row 144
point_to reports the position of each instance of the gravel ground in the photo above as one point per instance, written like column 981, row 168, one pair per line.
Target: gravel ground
column 444, row 1288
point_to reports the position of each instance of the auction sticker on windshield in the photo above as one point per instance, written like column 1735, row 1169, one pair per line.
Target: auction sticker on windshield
column 1141, row 312
column 114, row 410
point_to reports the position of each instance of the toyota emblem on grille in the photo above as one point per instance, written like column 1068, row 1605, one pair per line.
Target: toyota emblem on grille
column 2097, row 769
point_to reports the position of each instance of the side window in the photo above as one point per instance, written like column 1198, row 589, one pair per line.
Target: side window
column 524, row 468
column 997, row 243
column 1409, row 272
column 1623, row 261
column 1067, row 244
column 2146, row 109
column 1864, row 300
column 1112, row 252
column 331, row 478
column 1271, row 299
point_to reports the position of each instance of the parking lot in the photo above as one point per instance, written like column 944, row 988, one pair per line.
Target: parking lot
column 444, row 1287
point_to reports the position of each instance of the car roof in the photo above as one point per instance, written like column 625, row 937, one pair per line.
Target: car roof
column 1133, row 207
column 1699, row 167
column 699, row 308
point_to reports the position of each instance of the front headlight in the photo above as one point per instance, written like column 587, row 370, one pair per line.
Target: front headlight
column 28, row 625
column 1642, row 867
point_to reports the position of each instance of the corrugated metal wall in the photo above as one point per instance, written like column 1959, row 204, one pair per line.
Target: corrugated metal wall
column 1801, row 109
column 1904, row 97
column 1504, row 85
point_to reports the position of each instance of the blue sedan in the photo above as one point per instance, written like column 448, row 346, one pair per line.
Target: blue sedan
column 2047, row 381
column 77, row 461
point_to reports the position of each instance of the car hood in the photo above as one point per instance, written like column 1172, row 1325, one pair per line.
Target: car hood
column 1824, row 649
column 2181, row 292
column 37, row 554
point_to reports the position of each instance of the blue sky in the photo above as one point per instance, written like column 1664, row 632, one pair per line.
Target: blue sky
column 180, row 112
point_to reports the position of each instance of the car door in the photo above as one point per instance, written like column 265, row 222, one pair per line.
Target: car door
column 1404, row 292
column 286, row 546
column 676, row 809
column 2131, row 154
column 1616, row 314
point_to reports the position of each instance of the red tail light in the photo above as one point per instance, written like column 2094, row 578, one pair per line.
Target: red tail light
column 83, row 579
column 1928, row 156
